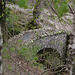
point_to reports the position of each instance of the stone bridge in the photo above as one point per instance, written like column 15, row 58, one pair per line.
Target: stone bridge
column 44, row 38
column 50, row 28
column 57, row 42
column 54, row 45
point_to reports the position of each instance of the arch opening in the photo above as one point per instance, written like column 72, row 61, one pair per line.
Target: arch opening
column 49, row 57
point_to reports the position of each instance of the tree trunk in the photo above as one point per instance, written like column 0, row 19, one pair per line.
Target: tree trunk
column 71, row 47
column 36, row 13
column 3, row 20
column 1, row 42
column 37, row 9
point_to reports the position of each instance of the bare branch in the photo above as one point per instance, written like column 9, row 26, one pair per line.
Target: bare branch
column 70, row 9
column 53, row 9
column 55, row 71
column 60, row 66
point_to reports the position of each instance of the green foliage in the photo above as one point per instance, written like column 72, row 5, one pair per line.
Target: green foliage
column 6, row 56
column 4, row 50
column 13, row 27
column 28, row 52
column 37, row 33
column 14, row 31
column 14, row 22
column 19, row 40
column 9, row 67
column 74, row 1
column 23, row 3
column 13, row 1
column 12, row 49
column 57, row 1
column 64, row 8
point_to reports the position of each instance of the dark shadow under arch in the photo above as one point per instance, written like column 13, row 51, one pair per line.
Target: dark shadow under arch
column 43, row 56
column 41, row 51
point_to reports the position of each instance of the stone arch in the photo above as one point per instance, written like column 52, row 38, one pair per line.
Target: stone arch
column 49, row 57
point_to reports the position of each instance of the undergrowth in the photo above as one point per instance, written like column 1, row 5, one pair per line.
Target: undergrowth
column 26, row 52
column 21, row 3
column 18, row 22
column 13, row 27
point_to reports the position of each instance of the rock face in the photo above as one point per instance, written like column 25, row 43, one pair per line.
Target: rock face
column 57, row 42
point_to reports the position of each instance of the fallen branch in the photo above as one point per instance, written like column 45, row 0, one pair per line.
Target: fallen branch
column 54, row 68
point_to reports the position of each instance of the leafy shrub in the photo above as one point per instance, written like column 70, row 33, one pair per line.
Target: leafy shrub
column 14, row 31
column 11, row 20
column 23, row 3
